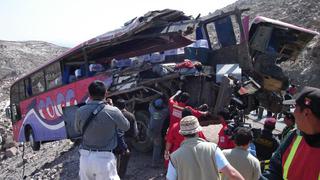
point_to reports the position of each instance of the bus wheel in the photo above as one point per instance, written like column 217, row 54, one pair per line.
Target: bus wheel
column 142, row 143
column 35, row 145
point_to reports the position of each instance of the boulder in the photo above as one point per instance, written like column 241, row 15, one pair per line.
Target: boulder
column 8, row 143
column 11, row 152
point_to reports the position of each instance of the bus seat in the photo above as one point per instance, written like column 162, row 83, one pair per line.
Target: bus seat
column 29, row 90
column 72, row 78
column 94, row 68
column 78, row 73
column 57, row 81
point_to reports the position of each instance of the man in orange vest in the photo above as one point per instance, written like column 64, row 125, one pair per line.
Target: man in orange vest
column 298, row 157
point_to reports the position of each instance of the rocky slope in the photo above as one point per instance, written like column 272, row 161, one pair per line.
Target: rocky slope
column 16, row 59
column 59, row 160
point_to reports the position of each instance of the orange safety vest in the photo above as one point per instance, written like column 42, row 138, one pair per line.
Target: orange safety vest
column 306, row 162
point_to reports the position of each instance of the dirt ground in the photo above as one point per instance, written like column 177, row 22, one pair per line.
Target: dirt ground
column 60, row 160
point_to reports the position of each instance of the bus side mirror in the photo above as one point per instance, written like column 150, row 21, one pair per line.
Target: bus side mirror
column 8, row 112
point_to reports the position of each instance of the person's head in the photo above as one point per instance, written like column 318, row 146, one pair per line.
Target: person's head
column 270, row 123
column 198, row 66
column 186, row 112
column 307, row 110
column 243, row 136
column 121, row 104
column 97, row 90
column 224, row 116
column 184, row 97
column 158, row 103
column 189, row 126
column 289, row 119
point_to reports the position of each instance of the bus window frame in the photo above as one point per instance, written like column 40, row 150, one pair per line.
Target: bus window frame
column 14, row 105
column 33, row 86
column 45, row 75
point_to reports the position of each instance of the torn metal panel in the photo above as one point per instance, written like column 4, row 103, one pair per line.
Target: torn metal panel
column 277, row 39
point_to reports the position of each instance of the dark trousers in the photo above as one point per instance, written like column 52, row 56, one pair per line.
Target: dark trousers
column 122, row 163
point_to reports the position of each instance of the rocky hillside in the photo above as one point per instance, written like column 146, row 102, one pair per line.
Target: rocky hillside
column 17, row 59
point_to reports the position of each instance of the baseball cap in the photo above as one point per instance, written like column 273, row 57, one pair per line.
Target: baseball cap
column 309, row 97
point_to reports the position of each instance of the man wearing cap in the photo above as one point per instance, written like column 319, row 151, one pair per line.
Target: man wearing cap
column 159, row 113
column 174, row 138
column 298, row 157
column 196, row 158
column 266, row 143
column 99, row 136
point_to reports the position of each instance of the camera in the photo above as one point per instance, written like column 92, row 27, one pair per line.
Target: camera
column 236, row 110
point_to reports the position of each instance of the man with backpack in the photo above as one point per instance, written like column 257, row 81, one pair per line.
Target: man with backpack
column 98, row 123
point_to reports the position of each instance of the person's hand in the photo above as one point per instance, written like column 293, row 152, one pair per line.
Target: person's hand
column 124, row 151
column 166, row 155
column 109, row 101
column 127, row 151
column 203, row 107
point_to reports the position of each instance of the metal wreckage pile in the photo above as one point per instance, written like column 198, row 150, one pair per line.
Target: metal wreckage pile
column 217, row 59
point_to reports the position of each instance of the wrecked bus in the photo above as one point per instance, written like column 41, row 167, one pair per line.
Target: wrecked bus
column 138, row 63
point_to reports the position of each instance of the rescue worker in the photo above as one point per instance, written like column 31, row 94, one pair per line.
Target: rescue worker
column 177, row 103
column 266, row 143
column 225, row 141
column 298, row 157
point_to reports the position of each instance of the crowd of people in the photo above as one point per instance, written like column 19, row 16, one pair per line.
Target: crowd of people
column 183, row 148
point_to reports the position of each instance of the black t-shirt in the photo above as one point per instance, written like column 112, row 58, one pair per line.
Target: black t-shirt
column 266, row 144
column 133, row 131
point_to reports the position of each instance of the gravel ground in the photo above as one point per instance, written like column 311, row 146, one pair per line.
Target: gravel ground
column 60, row 160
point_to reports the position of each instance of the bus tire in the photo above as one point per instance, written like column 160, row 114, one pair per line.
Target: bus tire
column 35, row 145
column 142, row 143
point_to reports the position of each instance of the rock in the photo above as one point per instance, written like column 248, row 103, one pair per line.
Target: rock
column 9, row 143
column 2, row 130
column 1, row 157
column 11, row 152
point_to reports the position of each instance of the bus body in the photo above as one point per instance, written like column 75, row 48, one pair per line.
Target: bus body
column 127, row 60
